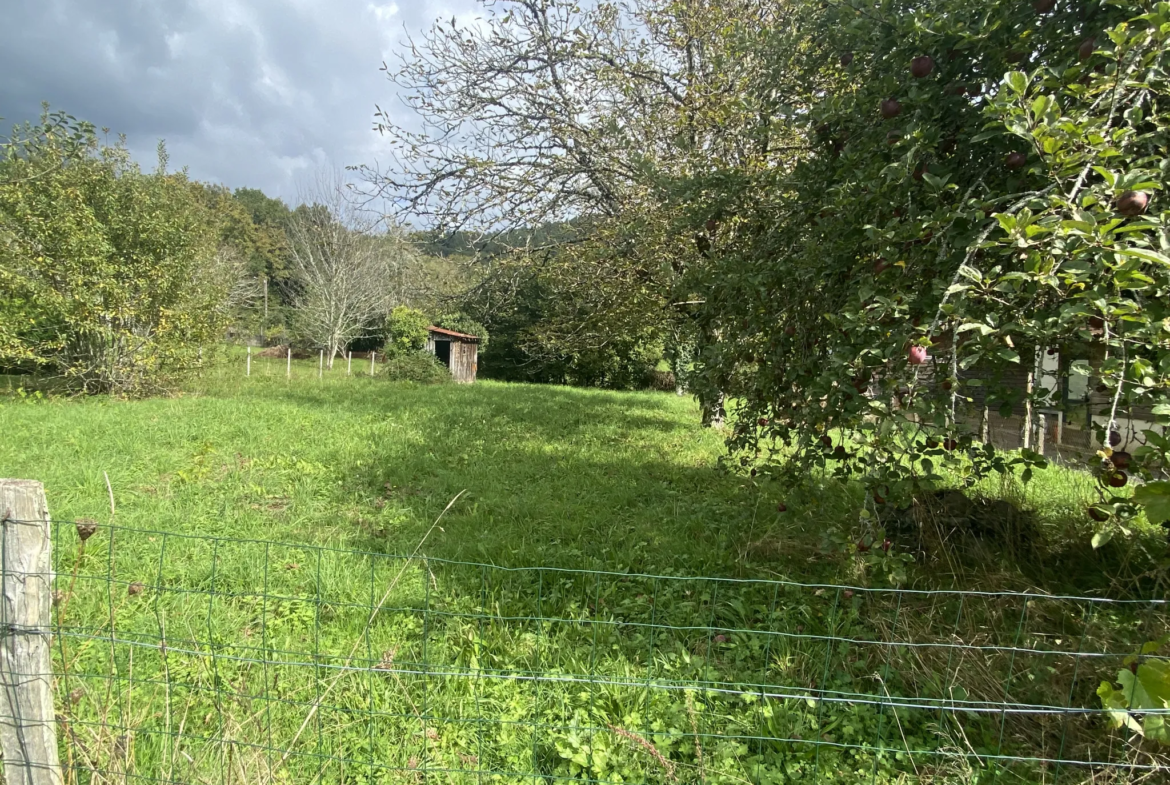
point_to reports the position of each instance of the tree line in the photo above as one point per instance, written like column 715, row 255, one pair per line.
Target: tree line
column 116, row 279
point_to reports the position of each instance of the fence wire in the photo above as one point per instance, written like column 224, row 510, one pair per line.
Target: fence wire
column 192, row 659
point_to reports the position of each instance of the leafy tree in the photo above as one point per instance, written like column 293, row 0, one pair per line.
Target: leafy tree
column 978, row 190
column 111, row 278
column 406, row 330
column 462, row 323
column 269, row 245
column 580, row 102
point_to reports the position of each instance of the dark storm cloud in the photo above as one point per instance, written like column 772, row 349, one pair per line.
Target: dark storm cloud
column 245, row 92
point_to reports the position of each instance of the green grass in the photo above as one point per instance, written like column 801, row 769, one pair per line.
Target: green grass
column 265, row 517
column 549, row 475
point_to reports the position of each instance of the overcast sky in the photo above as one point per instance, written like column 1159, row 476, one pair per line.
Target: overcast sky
column 245, row 92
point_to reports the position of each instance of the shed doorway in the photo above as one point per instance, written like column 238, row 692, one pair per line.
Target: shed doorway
column 443, row 352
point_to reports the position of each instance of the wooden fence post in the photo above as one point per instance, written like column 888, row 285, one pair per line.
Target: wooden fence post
column 28, row 724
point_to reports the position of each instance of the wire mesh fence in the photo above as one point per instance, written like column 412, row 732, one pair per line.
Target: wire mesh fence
column 183, row 658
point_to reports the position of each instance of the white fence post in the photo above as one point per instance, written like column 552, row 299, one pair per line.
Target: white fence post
column 372, row 356
column 248, row 368
column 348, row 363
column 28, row 725
column 288, row 366
column 321, row 364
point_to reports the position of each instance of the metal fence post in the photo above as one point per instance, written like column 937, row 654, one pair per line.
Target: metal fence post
column 28, row 723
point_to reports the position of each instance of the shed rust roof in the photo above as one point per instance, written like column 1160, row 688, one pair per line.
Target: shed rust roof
column 453, row 334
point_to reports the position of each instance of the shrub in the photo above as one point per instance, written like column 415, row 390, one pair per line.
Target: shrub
column 109, row 277
column 416, row 366
column 661, row 380
column 406, row 331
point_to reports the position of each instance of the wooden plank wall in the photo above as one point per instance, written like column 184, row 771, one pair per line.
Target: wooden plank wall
column 463, row 361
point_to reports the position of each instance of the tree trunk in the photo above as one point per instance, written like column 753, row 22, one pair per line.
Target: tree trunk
column 713, row 411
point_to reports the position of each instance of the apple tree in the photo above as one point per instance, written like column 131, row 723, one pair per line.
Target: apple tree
column 985, row 183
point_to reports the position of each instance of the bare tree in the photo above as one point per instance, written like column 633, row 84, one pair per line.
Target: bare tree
column 345, row 273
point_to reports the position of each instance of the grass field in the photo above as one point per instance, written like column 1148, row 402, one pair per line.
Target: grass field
column 224, row 618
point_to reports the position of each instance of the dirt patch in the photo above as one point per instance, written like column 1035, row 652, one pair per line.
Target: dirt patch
column 951, row 521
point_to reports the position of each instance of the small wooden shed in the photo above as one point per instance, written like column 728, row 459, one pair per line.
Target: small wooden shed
column 458, row 351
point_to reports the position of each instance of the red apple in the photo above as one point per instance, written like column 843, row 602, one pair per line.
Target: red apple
column 781, row 508
column 790, row 331
column 1133, row 203
column 827, row 440
column 880, row 266
column 917, row 355
column 956, row 88
column 1016, row 160
column 1117, row 480
column 762, row 421
column 1016, row 56
column 1043, row 6
column 846, row 59
column 1096, row 323
column 1086, row 49
column 712, row 225
column 1120, row 459
column 921, row 66
column 950, row 444
column 893, row 137
column 891, row 108
column 1099, row 515
column 1114, row 439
